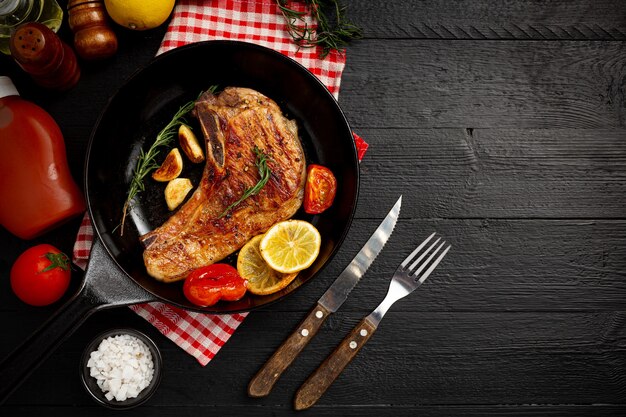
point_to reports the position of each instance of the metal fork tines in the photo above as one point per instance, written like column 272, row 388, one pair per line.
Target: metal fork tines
column 411, row 274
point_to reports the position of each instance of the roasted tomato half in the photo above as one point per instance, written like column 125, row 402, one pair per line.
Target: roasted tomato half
column 207, row 285
column 319, row 190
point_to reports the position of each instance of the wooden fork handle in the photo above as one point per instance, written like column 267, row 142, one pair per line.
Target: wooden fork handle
column 262, row 383
column 319, row 381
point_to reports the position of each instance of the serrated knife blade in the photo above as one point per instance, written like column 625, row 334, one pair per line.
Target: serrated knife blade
column 262, row 383
column 338, row 292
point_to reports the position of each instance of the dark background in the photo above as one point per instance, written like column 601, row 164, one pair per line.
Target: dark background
column 503, row 125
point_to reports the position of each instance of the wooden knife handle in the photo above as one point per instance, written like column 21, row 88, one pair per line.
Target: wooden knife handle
column 316, row 385
column 262, row 383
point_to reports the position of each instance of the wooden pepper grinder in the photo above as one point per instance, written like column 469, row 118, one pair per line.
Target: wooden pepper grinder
column 42, row 54
column 93, row 37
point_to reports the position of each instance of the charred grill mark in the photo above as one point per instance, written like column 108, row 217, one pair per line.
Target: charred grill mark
column 280, row 141
column 234, row 140
column 280, row 186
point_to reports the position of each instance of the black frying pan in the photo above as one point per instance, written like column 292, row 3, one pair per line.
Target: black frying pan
column 116, row 274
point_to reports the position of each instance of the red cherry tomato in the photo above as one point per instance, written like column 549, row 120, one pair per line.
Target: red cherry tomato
column 40, row 275
column 207, row 285
column 319, row 190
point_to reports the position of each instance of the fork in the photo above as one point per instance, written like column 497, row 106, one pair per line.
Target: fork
column 408, row 276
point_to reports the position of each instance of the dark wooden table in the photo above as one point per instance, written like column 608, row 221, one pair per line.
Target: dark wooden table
column 503, row 125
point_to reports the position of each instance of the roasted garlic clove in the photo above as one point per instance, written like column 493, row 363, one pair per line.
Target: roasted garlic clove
column 176, row 191
column 189, row 144
column 171, row 167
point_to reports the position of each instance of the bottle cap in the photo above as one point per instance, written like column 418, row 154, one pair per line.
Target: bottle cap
column 36, row 48
column 7, row 88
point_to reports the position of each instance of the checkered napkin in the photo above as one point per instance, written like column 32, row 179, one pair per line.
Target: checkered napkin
column 260, row 22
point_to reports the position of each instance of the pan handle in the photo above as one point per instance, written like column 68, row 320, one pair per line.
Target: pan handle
column 104, row 285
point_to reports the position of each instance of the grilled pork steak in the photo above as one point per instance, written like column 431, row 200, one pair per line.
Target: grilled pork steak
column 198, row 234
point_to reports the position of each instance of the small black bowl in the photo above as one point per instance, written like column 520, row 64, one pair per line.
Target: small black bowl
column 92, row 386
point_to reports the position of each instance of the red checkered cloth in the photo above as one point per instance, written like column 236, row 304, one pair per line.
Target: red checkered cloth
column 260, row 22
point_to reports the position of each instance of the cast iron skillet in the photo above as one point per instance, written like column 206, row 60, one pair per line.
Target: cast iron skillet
column 116, row 274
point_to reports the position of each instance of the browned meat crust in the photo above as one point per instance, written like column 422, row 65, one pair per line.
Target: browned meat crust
column 233, row 123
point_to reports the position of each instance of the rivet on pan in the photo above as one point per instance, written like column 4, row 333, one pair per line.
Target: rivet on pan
column 363, row 332
column 353, row 345
column 304, row 332
column 319, row 314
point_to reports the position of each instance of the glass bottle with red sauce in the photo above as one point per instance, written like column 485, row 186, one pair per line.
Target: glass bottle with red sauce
column 37, row 191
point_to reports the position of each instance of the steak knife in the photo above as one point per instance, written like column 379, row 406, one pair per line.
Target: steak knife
column 262, row 383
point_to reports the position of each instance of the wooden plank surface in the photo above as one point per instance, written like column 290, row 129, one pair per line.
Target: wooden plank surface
column 485, row 84
column 499, row 173
column 503, row 124
column 601, row 410
column 468, row 19
column 430, row 358
column 497, row 265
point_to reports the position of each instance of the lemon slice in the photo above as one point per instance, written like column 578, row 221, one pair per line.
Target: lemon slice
column 261, row 279
column 290, row 246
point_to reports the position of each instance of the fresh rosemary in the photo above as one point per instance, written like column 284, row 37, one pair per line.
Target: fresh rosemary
column 264, row 174
column 146, row 162
column 333, row 32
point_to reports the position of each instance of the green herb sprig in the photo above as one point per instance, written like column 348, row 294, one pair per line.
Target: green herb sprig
column 146, row 162
column 334, row 31
column 264, row 174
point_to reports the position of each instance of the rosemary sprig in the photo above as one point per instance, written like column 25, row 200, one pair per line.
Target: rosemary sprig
column 264, row 174
column 146, row 162
column 334, row 31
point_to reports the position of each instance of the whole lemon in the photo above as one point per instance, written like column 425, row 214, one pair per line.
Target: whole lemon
column 139, row 14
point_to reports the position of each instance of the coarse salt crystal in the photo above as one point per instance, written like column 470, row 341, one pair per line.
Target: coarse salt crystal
column 122, row 366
